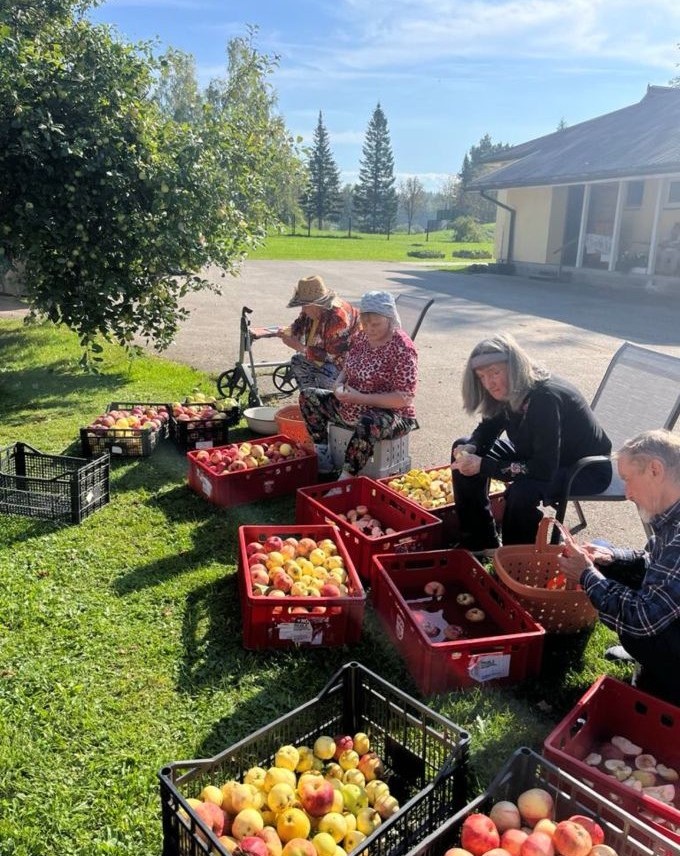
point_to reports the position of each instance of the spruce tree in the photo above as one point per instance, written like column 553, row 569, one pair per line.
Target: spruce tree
column 320, row 199
column 375, row 199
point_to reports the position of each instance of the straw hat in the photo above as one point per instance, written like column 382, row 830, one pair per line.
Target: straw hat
column 312, row 289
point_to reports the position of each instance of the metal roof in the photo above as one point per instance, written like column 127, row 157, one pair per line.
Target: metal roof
column 642, row 139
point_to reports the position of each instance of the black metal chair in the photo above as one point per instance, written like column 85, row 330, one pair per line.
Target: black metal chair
column 412, row 310
column 640, row 391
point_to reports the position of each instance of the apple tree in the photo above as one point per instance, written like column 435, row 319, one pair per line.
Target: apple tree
column 112, row 207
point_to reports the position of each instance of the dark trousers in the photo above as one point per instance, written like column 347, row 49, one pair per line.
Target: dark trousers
column 522, row 498
column 658, row 656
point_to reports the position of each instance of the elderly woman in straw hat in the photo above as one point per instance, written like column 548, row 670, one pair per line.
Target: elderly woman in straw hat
column 373, row 394
column 548, row 425
column 321, row 334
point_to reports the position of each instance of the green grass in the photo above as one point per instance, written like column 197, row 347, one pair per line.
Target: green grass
column 121, row 636
column 363, row 247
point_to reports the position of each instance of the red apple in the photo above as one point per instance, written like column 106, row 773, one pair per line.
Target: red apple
column 212, row 815
column 236, row 465
column 537, row 844
column 512, row 840
column 342, row 741
column 591, row 827
column 273, row 542
column 316, row 795
column 571, row 839
column 479, row 834
column 534, row 804
column 371, row 766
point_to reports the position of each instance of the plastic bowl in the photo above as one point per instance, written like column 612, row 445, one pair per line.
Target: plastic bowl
column 261, row 420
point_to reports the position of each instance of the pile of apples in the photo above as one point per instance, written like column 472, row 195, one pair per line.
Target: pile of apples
column 629, row 764
column 361, row 519
column 141, row 417
column 427, row 488
column 248, row 456
column 199, row 407
column 280, row 567
column 526, row 828
column 320, row 800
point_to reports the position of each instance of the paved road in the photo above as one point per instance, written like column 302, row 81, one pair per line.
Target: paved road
column 572, row 329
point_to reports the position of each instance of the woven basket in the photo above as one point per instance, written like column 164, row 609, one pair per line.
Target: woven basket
column 526, row 570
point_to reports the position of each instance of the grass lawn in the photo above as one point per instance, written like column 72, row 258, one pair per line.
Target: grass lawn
column 363, row 247
column 121, row 636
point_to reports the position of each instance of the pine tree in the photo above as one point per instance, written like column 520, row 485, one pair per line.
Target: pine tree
column 470, row 203
column 375, row 199
column 320, row 199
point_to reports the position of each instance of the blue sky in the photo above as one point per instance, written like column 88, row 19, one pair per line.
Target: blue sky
column 446, row 72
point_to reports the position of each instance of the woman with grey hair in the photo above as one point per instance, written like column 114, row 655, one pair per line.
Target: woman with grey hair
column 373, row 394
column 547, row 426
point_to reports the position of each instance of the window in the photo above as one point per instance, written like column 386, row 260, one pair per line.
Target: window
column 634, row 193
column 674, row 194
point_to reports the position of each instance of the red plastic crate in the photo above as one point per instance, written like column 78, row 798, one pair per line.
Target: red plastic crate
column 507, row 646
column 447, row 512
column 251, row 485
column 415, row 528
column 626, row 834
column 270, row 622
column 611, row 708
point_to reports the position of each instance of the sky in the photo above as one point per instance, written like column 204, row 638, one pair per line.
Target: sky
column 445, row 72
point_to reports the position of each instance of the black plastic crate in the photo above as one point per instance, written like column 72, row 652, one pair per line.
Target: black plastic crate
column 52, row 487
column 424, row 753
column 525, row 769
column 203, row 433
column 124, row 442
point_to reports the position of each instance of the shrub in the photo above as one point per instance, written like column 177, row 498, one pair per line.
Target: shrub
column 472, row 254
column 467, row 229
column 426, row 254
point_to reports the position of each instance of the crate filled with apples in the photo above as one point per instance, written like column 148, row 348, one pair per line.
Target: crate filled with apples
column 360, row 768
column 452, row 622
column 202, row 421
column 298, row 588
column 432, row 489
column 371, row 519
column 246, row 472
column 533, row 808
column 126, row 429
column 625, row 744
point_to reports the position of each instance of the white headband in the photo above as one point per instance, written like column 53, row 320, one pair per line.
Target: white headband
column 488, row 359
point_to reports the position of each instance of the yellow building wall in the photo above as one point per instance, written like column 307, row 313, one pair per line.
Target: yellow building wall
column 532, row 224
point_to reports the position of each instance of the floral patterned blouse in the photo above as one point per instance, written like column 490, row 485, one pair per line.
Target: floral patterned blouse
column 330, row 338
column 390, row 368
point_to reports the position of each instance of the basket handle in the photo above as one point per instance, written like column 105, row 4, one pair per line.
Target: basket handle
column 542, row 540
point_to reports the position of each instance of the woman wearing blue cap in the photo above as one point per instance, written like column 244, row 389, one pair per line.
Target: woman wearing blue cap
column 373, row 394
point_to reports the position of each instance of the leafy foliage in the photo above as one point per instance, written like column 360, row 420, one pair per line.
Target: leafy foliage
column 466, row 229
column 112, row 206
column 321, row 198
column 411, row 198
column 375, row 199
column 470, row 202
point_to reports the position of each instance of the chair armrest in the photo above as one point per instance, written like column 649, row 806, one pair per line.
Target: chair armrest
column 581, row 464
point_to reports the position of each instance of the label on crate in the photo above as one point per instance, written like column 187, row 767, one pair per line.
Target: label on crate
column 204, row 444
column 297, row 631
column 116, row 450
column 206, row 484
column 488, row 667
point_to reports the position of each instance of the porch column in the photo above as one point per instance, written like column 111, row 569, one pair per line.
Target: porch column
column 651, row 258
column 582, row 227
column 616, row 231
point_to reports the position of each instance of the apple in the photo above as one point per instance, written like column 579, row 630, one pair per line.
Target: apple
column 287, row 756
column 386, row 805
column 537, row 844
column 253, row 547
column 274, row 775
column 591, row 827
column 505, row 815
column 236, row 466
column 355, row 797
column 271, row 838
column 324, row 747
column 247, row 822
column 252, row 845
column 348, row 758
column 479, row 834
column 299, row 847
column 545, row 825
column 292, row 823
column 280, row 797
column 273, row 542
column 457, row 851
column 355, row 777
column 259, row 575
column 211, row 793
column 230, row 844
column 342, row 742
column 329, row 589
column 212, row 816
column 375, row 788
column 362, row 743
column 533, row 804
column 512, row 840
column 571, row 839
column 371, row 766
column 316, row 795
column 335, row 824
column 368, row 819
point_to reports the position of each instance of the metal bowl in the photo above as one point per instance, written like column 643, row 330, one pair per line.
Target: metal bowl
column 262, row 420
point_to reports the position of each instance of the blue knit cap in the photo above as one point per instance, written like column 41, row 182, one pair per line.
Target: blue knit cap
column 380, row 303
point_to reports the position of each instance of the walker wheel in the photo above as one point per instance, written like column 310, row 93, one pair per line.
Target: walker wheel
column 231, row 384
column 284, row 379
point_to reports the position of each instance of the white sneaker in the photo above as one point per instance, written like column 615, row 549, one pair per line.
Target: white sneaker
column 324, row 458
